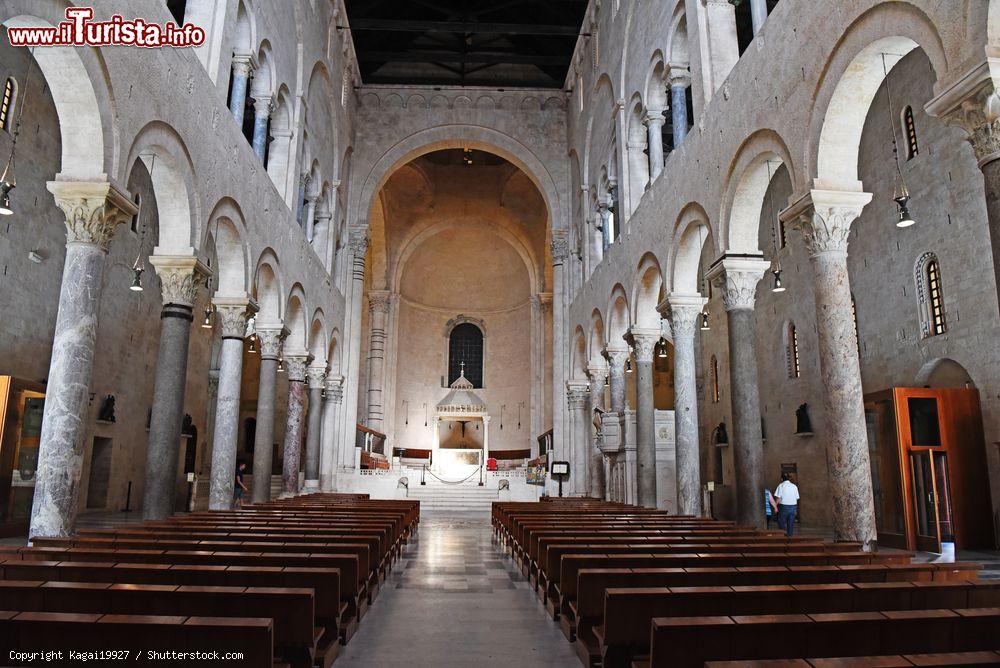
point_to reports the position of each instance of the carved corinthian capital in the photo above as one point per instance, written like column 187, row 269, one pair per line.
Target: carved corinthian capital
column 270, row 339
column 737, row 277
column 643, row 343
column 683, row 313
column 973, row 104
column 232, row 320
column 296, row 366
column 560, row 245
column 180, row 277
column 577, row 394
column 316, row 375
column 92, row 210
column 825, row 218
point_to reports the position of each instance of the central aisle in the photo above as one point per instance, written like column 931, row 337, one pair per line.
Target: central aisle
column 454, row 600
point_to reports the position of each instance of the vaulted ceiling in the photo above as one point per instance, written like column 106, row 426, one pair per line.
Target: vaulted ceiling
column 496, row 43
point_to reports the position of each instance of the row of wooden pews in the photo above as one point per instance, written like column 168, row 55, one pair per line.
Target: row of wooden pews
column 638, row 587
column 285, row 583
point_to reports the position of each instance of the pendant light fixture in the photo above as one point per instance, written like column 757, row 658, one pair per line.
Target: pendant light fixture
column 900, row 193
column 628, row 366
column 661, row 346
column 281, row 364
column 253, row 344
column 776, row 285
column 704, row 321
column 137, row 266
column 207, row 322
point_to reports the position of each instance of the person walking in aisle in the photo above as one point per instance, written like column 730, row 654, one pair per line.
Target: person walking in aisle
column 787, row 495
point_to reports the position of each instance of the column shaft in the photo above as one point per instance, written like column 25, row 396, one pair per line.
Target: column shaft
column 238, row 96
column 294, row 416
column 330, row 436
column 991, row 176
column 683, row 322
column 576, row 396
column 379, row 305
column 748, row 447
column 167, row 413
column 597, row 484
column 654, row 123
column 227, row 415
column 316, row 378
column 616, row 377
column 262, row 113
column 678, row 112
column 758, row 14
column 92, row 211
column 645, row 420
column 263, row 451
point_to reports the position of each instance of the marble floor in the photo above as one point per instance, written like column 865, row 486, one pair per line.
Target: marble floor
column 455, row 600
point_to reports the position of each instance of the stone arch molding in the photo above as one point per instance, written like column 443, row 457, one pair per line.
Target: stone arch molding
column 459, row 136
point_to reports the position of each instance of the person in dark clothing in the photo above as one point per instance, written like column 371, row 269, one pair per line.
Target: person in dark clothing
column 239, row 488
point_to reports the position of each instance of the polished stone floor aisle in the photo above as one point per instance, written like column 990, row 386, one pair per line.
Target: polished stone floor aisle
column 455, row 600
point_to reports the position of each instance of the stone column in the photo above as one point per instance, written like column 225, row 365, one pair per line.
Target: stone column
column 638, row 168
column 309, row 214
column 231, row 316
column 261, row 115
column 973, row 104
column 596, row 483
column 654, row 123
column 486, row 436
column 378, row 303
column 316, row 376
column 738, row 278
column 321, row 233
column 758, row 14
column 604, row 211
column 577, row 394
column 825, row 218
column 333, row 395
column 212, row 399
column 92, row 211
column 295, row 365
column 617, row 357
column 269, row 338
column 242, row 67
column 180, row 278
column 684, row 313
column 358, row 245
column 300, row 203
column 680, row 79
column 643, row 342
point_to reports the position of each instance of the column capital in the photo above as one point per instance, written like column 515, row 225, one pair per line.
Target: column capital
column 825, row 217
column 643, row 340
column 683, row 314
column 678, row 75
column 262, row 105
column 232, row 313
column 244, row 64
column 379, row 301
column 180, row 277
column 316, row 375
column 296, row 366
column 597, row 371
column 973, row 104
column 92, row 209
column 738, row 277
column 636, row 145
column 358, row 240
column 616, row 356
column 577, row 393
column 270, row 338
column 334, row 387
column 654, row 117
column 560, row 245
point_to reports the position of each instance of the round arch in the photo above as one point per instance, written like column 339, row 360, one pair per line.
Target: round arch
column 646, row 293
column 268, row 288
column 295, row 321
column 460, row 136
column 691, row 232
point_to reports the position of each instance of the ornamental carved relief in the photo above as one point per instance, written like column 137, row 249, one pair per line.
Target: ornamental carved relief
column 827, row 229
column 316, row 376
column 179, row 285
column 269, row 341
column 683, row 321
column 979, row 116
column 560, row 246
column 296, row 366
column 576, row 397
column 643, row 345
column 233, row 320
column 91, row 219
column 739, row 289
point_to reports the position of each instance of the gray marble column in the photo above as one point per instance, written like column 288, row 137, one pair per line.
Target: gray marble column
column 180, row 278
column 242, row 67
column 972, row 104
column 211, row 399
column 680, row 79
column 825, row 219
column 738, row 278
column 315, row 377
column 333, row 394
column 577, row 394
column 758, row 14
column 296, row 365
column 92, row 211
column 684, row 313
column 604, row 211
column 269, row 338
column 379, row 303
column 261, row 115
column 231, row 316
column 617, row 357
column 643, row 342
column 596, row 481
column 309, row 216
column 654, row 125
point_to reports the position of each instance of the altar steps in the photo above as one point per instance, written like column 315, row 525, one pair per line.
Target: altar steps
column 437, row 497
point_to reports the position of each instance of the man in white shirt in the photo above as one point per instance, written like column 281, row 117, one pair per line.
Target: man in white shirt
column 787, row 495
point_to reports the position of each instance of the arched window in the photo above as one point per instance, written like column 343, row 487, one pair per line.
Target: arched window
column 910, row 132
column 7, row 104
column 465, row 352
column 714, row 371
column 792, row 350
column 930, row 295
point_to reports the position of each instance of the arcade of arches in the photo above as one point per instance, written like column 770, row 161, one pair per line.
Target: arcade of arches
column 668, row 243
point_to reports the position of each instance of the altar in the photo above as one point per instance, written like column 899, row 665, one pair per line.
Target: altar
column 458, row 447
